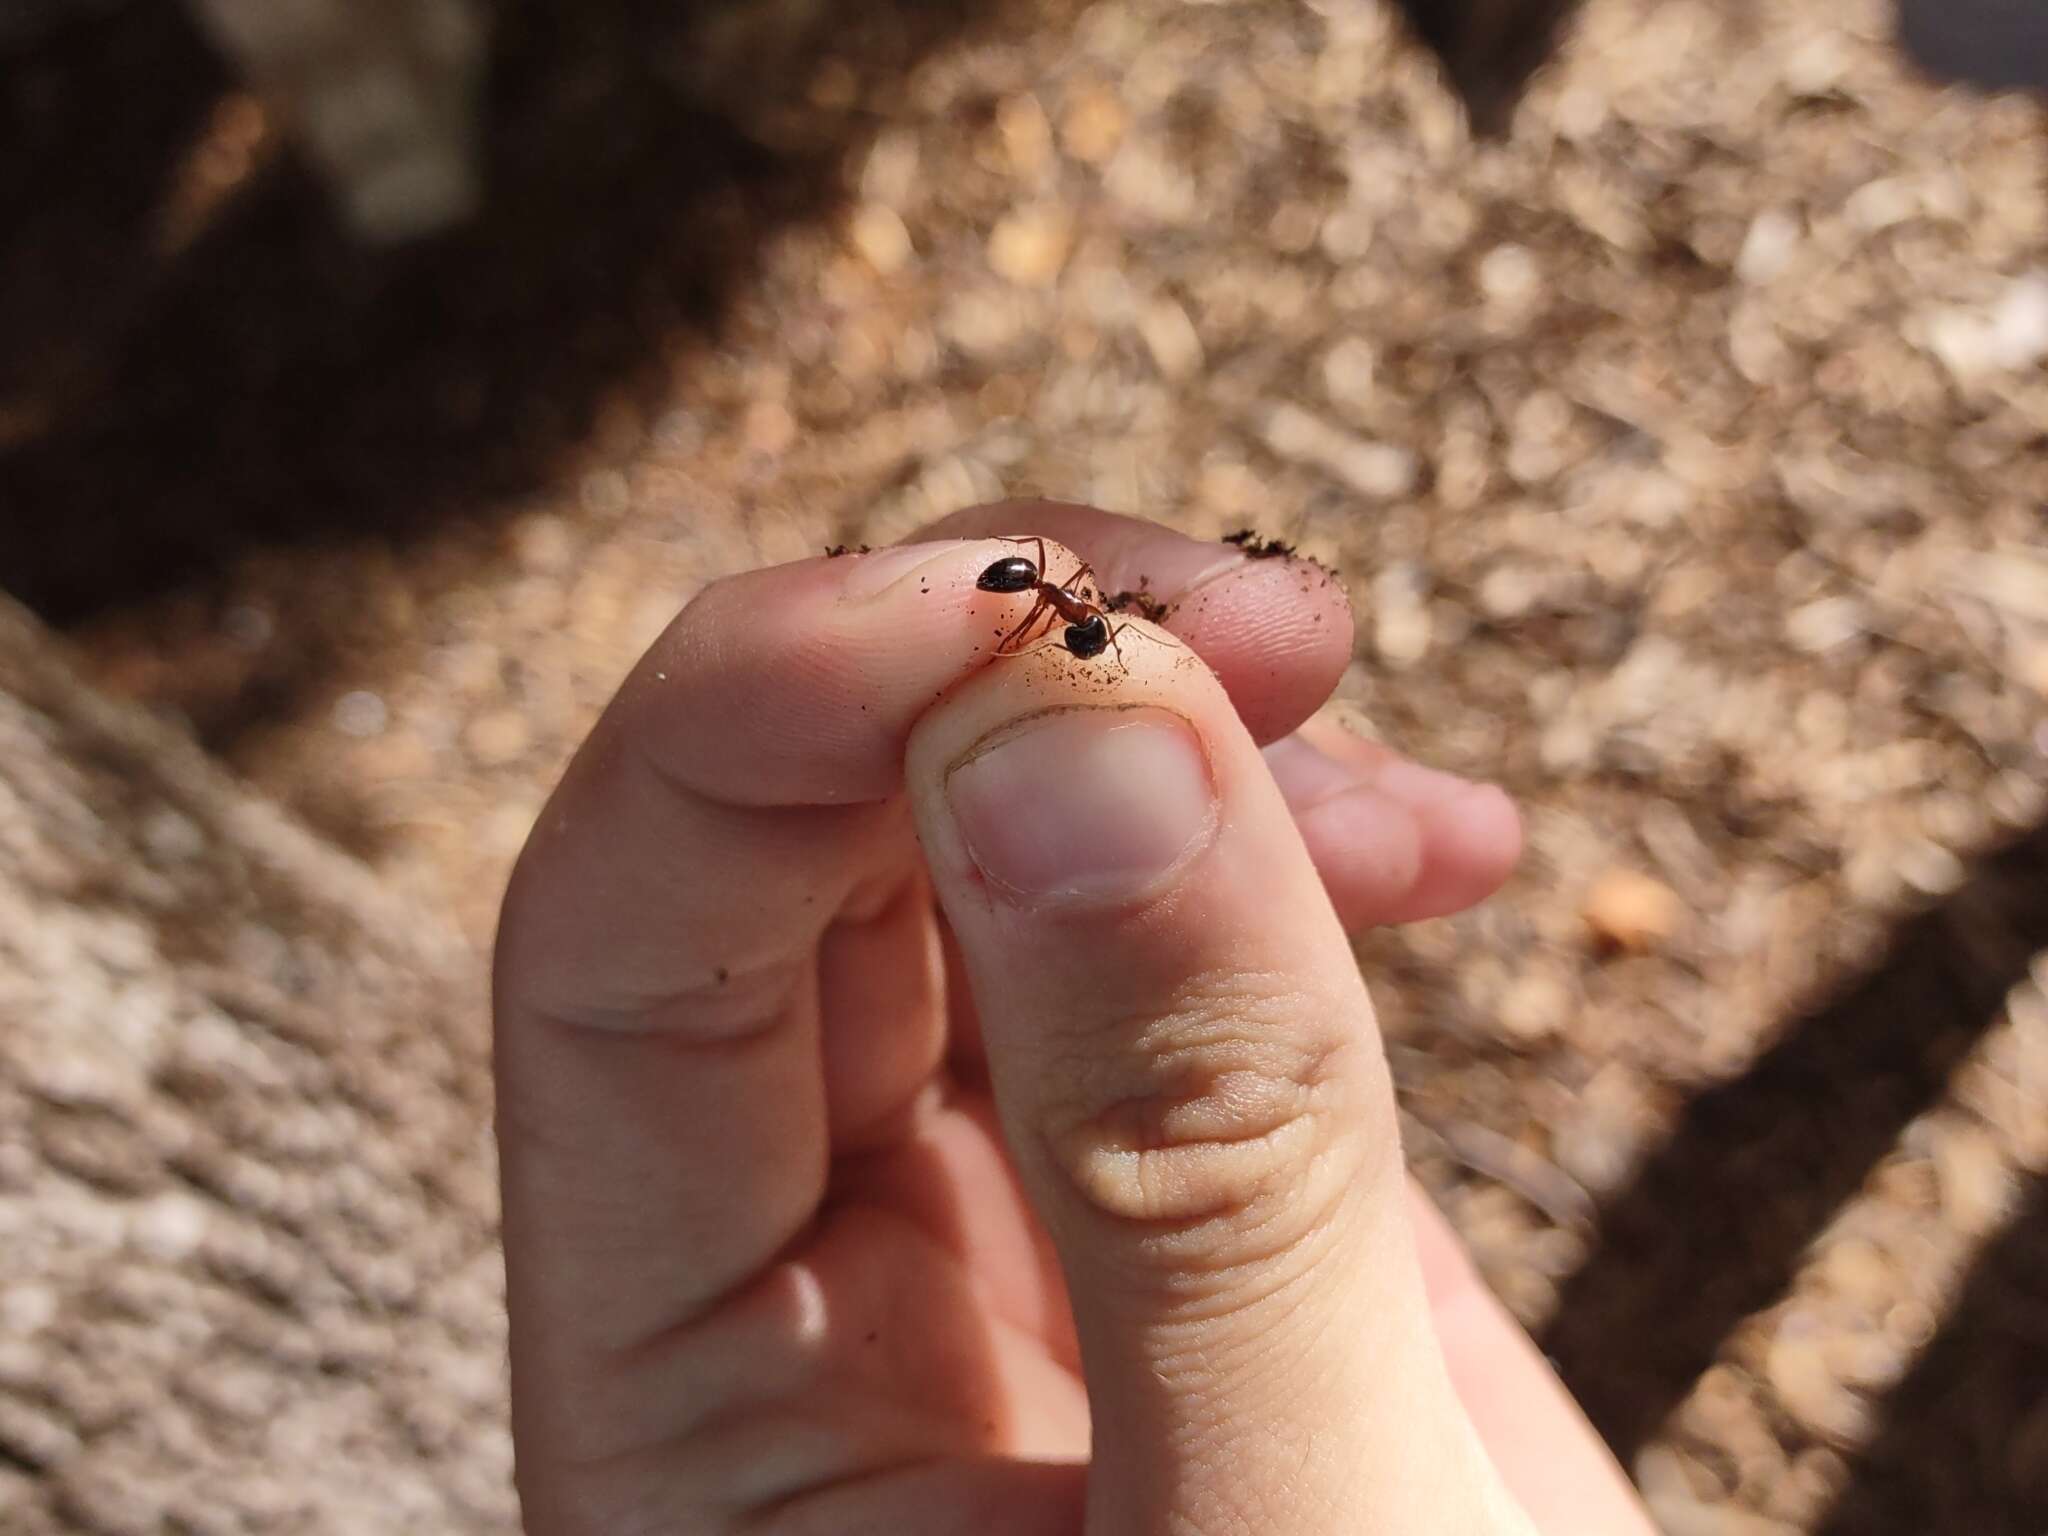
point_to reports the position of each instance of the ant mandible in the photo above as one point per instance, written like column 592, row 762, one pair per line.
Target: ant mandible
column 1088, row 633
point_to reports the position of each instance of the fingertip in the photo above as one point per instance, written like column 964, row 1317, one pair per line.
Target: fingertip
column 1278, row 633
column 1368, row 849
column 1470, row 832
column 799, row 684
column 1394, row 841
column 1472, row 840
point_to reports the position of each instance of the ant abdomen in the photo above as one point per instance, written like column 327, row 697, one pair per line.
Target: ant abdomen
column 1013, row 573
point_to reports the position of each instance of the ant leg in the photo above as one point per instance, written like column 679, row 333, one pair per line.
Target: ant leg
column 1146, row 634
column 1049, row 640
column 1073, row 583
column 1033, row 539
column 1142, row 634
column 1003, row 645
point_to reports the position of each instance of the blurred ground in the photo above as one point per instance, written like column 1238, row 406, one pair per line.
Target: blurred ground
column 1683, row 454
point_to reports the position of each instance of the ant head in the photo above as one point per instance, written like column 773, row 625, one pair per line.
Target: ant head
column 1012, row 573
column 1088, row 639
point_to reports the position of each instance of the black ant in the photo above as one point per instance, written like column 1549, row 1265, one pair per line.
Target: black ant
column 1088, row 633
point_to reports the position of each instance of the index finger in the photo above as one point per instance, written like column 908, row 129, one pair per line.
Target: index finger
column 662, row 1119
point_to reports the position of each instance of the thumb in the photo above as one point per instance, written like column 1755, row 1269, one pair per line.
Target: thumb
column 1191, row 1081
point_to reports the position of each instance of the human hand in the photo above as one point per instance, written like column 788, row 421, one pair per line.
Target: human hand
column 919, row 1072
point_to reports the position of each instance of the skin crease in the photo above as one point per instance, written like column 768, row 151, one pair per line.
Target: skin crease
column 785, row 1249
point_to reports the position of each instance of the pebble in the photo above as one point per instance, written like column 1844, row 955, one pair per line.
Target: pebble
column 2009, row 336
column 986, row 323
column 1294, row 227
column 1148, row 186
column 360, row 713
column 1680, row 1514
column 1865, row 1359
column 1171, row 339
column 1510, row 591
column 1401, row 616
column 1929, row 868
column 171, row 837
column 890, row 175
column 1811, row 1486
column 1756, row 347
column 1663, row 1471
column 1029, row 247
column 1093, row 125
column 497, row 738
column 1768, row 247
column 1026, row 135
column 27, row 1308
column 1535, row 1006
column 1628, row 910
column 1975, row 1182
column 1349, row 369
column 543, row 544
column 1347, row 235
column 768, row 428
column 1380, row 471
column 1858, row 1272
column 1911, row 1324
column 882, row 238
column 1601, row 1140
column 1819, row 64
column 678, row 432
column 171, row 1227
column 1879, row 204
column 1539, row 437
column 1799, row 1372
column 604, row 493
column 1509, row 275
column 1827, row 623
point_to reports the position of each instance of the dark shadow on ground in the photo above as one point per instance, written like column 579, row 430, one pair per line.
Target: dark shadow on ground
column 2002, row 44
column 1963, row 1440
column 96, row 109
column 1714, row 1227
column 166, row 404
column 1490, row 48
column 272, row 382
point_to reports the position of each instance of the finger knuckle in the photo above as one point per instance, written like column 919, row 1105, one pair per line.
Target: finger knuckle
column 1229, row 1125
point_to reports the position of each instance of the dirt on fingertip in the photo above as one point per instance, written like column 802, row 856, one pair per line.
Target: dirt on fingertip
column 1258, row 546
column 1139, row 601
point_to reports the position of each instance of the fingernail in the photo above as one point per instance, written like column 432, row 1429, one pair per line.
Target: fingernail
column 1093, row 804
column 871, row 574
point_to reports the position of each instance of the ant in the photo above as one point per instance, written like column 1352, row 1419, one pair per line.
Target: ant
column 1088, row 633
